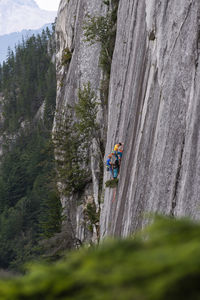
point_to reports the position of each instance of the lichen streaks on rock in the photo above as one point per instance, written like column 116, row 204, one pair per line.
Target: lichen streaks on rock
column 154, row 108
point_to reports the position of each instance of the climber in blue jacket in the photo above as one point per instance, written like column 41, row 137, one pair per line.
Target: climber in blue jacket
column 109, row 165
column 115, row 164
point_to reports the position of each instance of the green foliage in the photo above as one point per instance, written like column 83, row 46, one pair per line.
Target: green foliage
column 27, row 80
column 86, row 112
column 73, row 139
column 66, row 56
column 97, row 29
column 72, row 147
column 161, row 263
column 72, row 157
column 50, row 96
column 112, row 183
column 152, row 36
column 50, row 217
column 30, row 208
column 102, row 29
column 92, row 216
column 106, row 2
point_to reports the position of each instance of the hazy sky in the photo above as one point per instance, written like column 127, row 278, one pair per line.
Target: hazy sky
column 48, row 4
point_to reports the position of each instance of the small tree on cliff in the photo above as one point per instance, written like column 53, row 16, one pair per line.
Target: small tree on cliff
column 86, row 112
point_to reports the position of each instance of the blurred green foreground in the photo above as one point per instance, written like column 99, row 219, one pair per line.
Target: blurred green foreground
column 162, row 262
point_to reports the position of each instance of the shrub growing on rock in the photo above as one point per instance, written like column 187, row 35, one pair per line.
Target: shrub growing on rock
column 112, row 183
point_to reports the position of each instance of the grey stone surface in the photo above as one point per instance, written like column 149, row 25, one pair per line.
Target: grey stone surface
column 154, row 108
column 83, row 67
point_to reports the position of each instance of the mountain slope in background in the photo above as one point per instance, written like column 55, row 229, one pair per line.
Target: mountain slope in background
column 16, row 15
column 12, row 39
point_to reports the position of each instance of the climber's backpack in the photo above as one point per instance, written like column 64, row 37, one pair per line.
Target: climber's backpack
column 108, row 165
column 114, row 161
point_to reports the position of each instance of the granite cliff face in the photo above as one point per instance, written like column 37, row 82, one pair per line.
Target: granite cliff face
column 155, row 94
column 82, row 67
column 153, row 106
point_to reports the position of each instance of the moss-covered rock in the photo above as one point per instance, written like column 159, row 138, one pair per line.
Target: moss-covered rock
column 112, row 183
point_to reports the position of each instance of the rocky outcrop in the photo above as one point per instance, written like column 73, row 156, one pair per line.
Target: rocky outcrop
column 154, row 109
column 78, row 67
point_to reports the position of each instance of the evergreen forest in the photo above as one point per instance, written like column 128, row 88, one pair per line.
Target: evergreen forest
column 30, row 209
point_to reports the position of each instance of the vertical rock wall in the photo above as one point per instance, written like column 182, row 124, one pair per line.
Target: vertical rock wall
column 154, row 108
column 81, row 69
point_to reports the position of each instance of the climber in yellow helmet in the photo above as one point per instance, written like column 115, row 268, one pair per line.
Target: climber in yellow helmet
column 114, row 159
column 119, row 150
column 117, row 146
